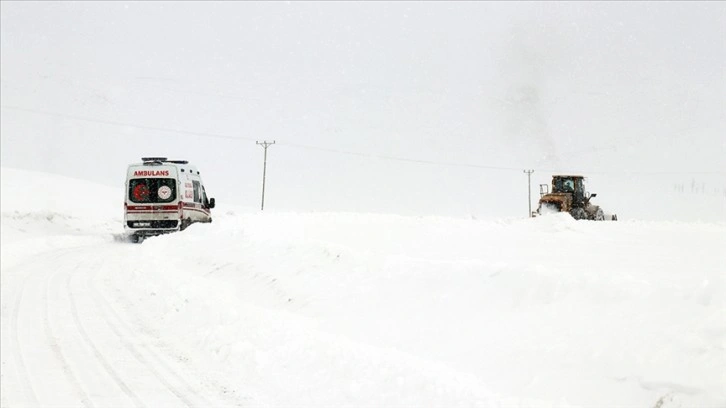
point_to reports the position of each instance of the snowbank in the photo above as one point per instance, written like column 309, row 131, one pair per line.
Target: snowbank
column 333, row 309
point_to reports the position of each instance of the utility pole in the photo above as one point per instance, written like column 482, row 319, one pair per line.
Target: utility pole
column 265, row 144
column 529, row 190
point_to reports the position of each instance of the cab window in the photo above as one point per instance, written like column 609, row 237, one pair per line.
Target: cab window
column 197, row 192
column 568, row 185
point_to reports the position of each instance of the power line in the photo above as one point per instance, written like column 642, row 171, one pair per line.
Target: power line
column 632, row 172
column 114, row 123
column 219, row 136
column 352, row 153
column 401, row 159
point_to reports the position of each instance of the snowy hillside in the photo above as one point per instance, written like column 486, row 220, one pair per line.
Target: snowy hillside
column 352, row 309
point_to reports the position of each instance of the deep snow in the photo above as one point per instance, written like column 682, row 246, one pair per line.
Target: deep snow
column 350, row 309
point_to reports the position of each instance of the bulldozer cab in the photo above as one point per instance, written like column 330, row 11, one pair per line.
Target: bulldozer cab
column 570, row 185
column 566, row 184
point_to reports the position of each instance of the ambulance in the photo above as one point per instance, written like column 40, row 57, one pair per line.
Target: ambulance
column 163, row 196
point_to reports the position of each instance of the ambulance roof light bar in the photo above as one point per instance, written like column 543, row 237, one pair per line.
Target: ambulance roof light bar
column 153, row 159
column 160, row 160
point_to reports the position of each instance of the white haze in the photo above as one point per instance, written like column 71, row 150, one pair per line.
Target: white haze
column 632, row 95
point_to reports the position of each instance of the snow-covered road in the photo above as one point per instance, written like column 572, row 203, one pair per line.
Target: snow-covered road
column 71, row 346
column 286, row 309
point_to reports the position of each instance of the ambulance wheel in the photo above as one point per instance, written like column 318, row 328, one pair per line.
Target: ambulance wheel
column 137, row 238
column 185, row 224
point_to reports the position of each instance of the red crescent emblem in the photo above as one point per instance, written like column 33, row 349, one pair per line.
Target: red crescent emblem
column 141, row 192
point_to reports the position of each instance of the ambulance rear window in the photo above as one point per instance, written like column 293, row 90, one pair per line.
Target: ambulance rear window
column 152, row 190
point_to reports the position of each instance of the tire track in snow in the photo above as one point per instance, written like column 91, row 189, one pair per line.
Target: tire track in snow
column 139, row 356
column 150, row 331
column 109, row 315
column 47, row 269
column 103, row 303
column 45, row 294
column 53, row 343
column 23, row 373
column 96, row 352
column 30, row 395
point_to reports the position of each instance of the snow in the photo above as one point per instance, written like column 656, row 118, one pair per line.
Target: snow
column 353, row 309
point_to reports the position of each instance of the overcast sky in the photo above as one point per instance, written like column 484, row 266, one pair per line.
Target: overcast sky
column 403, row 107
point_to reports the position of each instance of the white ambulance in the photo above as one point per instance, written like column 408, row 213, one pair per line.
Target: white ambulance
column 163, row 196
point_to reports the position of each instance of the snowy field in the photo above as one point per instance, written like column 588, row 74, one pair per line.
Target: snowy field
column 345, row 309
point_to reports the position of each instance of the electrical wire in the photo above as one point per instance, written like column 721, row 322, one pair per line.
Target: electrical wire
column 346, row 152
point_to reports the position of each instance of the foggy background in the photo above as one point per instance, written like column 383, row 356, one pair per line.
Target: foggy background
column 418, row 108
